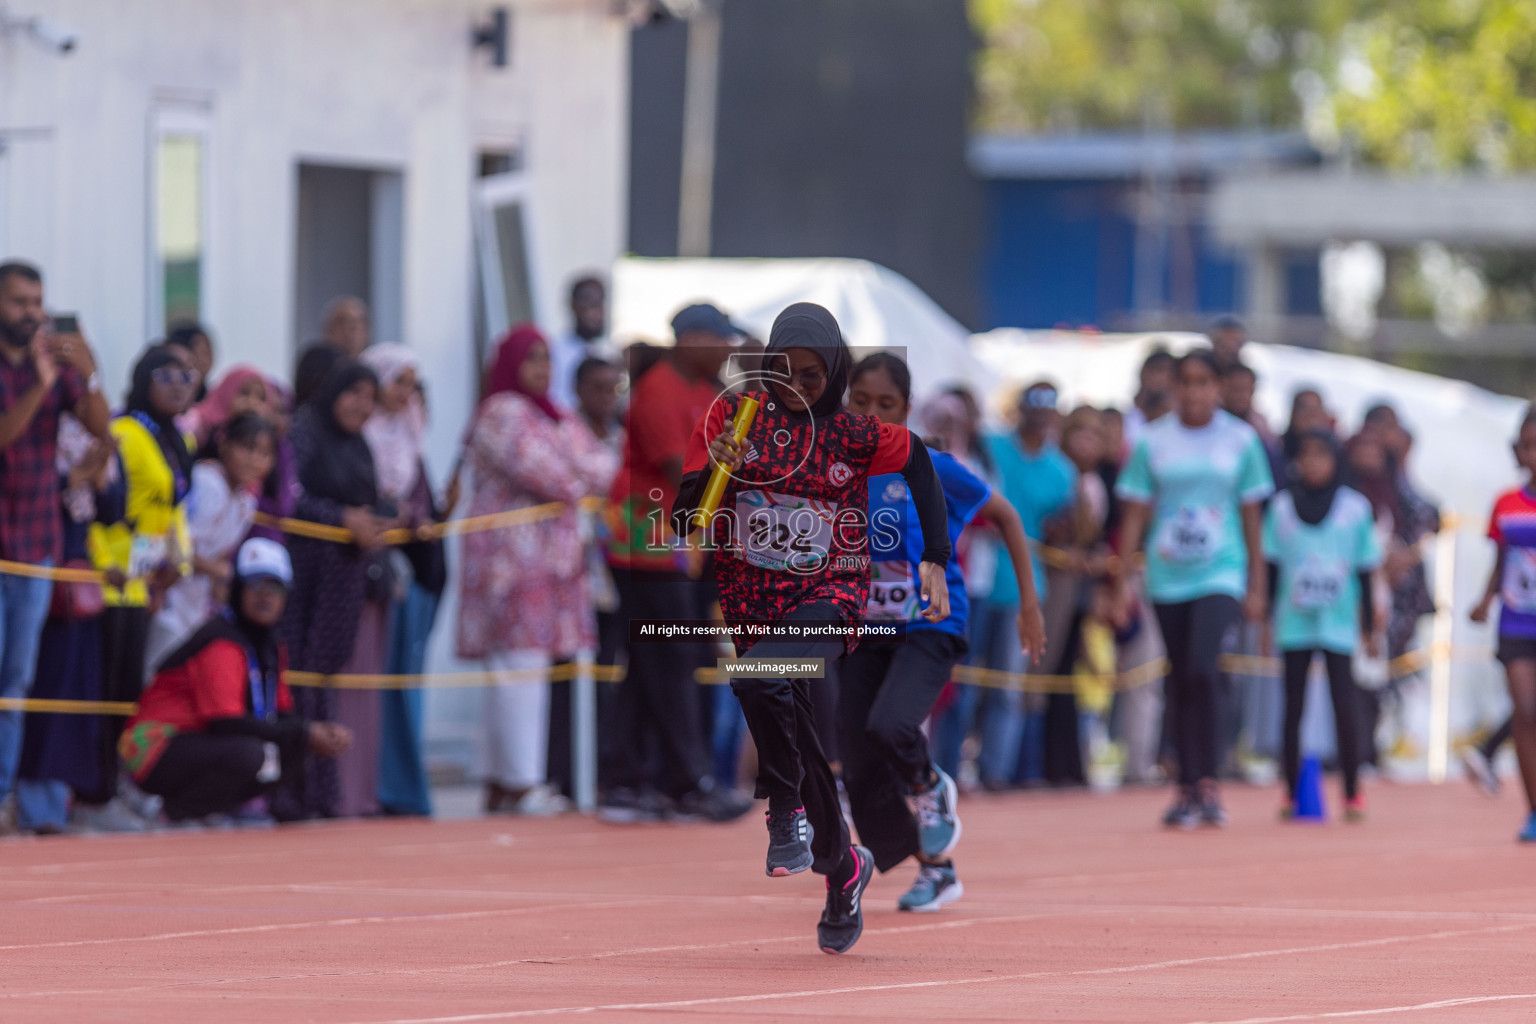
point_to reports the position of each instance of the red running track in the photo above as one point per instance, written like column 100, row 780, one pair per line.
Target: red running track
column 1077, row 909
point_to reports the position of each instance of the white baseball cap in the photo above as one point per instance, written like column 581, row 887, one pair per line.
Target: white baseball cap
column 260, row 557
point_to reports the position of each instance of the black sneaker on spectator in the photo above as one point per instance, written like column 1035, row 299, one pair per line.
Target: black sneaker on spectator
column 715, row 804
column 625, row 806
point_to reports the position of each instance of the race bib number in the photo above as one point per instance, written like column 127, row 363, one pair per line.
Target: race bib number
column 145, row 555
column 1519, row 589
column 893, row 594
column 784, row 533
column 1318, row 584
column 1191, row 536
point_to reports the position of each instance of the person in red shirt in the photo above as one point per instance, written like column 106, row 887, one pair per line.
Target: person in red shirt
column 791, row 555
column 658, row 698
column 216, row 727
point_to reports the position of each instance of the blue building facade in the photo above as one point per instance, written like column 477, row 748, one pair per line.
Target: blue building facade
column 1109, row 231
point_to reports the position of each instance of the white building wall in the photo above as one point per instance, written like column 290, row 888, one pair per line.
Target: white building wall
column 381, row 84
column 384, row 84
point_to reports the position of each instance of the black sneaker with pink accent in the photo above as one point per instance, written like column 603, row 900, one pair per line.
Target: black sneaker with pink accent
column 789, row 842
column 842, row 922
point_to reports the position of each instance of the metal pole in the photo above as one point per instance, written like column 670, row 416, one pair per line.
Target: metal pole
column 696, row 190
column 1440, row 652
column 584, row 736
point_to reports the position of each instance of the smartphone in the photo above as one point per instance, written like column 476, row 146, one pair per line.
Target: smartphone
column 66, row 323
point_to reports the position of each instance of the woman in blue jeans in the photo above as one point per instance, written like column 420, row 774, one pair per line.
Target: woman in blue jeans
column 1193, row 490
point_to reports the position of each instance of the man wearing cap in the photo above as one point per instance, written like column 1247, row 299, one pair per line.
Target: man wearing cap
column 216, row 728
column 659, row 696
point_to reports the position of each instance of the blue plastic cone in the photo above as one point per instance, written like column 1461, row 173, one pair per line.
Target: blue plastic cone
column 1309, row 792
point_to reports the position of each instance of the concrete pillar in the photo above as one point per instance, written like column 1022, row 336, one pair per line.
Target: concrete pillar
column 1265, row 299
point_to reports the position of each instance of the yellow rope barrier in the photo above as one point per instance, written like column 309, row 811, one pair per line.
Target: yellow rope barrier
column 436, row 531
column 995, row 679
column 44, row 572
column 973, row 675
column 37, row 705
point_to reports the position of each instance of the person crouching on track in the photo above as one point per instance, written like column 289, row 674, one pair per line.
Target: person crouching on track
column 888, row 687
column 216, row 728
column 791, row 550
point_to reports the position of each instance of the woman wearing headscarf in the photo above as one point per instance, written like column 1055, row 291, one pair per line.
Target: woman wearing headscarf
column 396, row 434
column 782, row 563
column 1321, row 545
column 336, row 618
column 523, row 598
column 150, row 548
column 242, row 389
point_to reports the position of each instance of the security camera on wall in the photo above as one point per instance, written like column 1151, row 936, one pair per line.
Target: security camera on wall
column 50, row 34
column 54, row 34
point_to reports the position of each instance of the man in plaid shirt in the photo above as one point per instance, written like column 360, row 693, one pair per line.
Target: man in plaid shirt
column 42, row 375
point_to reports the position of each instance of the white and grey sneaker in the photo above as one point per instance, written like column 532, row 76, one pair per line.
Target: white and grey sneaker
column 113, row 816
column 541, row 801
column 1480, row 770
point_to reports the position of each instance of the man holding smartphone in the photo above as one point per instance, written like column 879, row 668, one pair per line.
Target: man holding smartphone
column 43, row 373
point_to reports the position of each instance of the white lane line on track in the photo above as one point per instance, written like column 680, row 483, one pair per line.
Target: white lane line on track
column 1042, row 912
column 680, row 1004
column 459, row 968
column 327, row 923
column 1377, row 1011
column 380, row 887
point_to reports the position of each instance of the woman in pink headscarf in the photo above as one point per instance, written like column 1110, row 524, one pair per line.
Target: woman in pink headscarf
column 241, row 389
column 523, row 598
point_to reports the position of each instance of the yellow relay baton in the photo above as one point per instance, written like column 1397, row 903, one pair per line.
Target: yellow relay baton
column 746, row 412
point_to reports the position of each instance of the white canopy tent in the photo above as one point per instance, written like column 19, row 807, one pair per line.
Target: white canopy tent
column 876, row 307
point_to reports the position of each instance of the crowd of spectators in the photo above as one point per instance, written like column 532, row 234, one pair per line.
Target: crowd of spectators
column 205, row 604
column 1060, row 469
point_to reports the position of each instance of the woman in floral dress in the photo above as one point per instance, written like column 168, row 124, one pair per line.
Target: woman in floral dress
column 523, row 596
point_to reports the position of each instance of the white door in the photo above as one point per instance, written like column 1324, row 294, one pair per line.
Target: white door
column 507, row 270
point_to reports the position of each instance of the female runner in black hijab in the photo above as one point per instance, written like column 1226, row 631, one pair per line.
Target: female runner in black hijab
column 792, row 559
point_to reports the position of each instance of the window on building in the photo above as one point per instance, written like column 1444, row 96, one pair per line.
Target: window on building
column 178, row 222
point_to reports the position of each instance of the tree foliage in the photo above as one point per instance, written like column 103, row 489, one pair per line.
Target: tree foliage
column 1184, row 64
column 1405, row 83
column 1440, row 84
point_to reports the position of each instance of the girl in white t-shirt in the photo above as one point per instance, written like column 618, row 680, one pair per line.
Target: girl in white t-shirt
column 220, row 509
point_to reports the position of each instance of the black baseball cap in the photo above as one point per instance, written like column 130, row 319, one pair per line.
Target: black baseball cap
column 704, row 317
